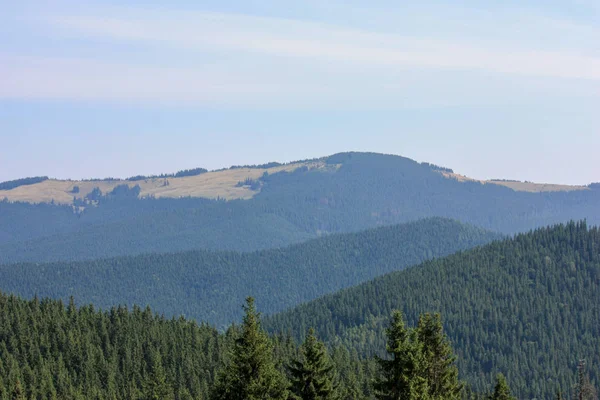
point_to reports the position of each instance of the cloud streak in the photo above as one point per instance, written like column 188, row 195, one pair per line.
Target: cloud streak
column 322, row 43
column 225, row 59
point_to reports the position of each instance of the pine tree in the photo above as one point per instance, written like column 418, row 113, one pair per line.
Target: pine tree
column 402, row 376
column 559, row 395
column 312, row 376
column 441, row 372
column 585, row 389
column 250, row 373
column 156, row 386
column 17, row 393
column 501, row 390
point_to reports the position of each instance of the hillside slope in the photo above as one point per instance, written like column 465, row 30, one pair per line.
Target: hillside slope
column 348, row 193
column 201, row 183
column 210, row 286
column 528, row 307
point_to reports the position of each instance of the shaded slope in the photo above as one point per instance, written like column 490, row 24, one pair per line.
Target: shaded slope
column 528, row 306
column 210, row 285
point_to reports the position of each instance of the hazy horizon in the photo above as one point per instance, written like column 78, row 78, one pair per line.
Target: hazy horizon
column 96, row 89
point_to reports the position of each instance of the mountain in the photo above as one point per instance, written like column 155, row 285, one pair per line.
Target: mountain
column 210, row 286
column 252, row 208
column 528, row 307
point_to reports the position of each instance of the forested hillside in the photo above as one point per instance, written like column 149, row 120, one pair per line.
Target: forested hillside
column 357, row 191
column 528, row 307
column 49, row 351
column 209, row 286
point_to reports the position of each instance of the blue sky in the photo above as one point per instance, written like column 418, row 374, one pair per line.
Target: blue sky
column 492, row 89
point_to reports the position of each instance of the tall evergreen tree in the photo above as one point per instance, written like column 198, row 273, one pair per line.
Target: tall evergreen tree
column 441, row 372
column 18, row 393
column 585, row 390
column 559, row 395
column 501, row 390
column 312, row 375
column 156, row 386
column 402, row 376
column 251, row 373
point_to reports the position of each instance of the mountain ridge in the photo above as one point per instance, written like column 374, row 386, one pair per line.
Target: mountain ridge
column 219, row 183
column 348, row 192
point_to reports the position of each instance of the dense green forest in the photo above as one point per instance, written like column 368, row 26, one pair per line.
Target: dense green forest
column 209, row 286
column 366, row 191
column 50, row 351
column 528, row 307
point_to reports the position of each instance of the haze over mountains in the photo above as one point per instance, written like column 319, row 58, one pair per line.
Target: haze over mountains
column 210, row 286
column 335, row 243
column 470, row 274
column 269, row 206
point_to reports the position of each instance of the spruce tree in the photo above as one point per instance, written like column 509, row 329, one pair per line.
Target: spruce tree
column 156, row 386
column 250, row 373
column 17, row 392
column 501, row 390
column 441, row 372
column 584, row 390
column 312, row 375
column 402, row 376
column 559, row 395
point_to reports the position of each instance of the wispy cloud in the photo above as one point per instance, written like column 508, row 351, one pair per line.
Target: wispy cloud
column 73, row 78
column 323, row 43
column 233, row 59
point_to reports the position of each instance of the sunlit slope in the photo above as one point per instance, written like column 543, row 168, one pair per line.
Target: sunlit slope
column 518, row 186
column 222, row 184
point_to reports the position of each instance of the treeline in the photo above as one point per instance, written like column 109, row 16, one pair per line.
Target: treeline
column 438, row 168
column 8, row 185
column 209, row 286
column 178, row 174
column 268, row 165
column 528, row 307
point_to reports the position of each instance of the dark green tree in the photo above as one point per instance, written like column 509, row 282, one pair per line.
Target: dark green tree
column 156, row 386
column 441, row 372
column 402, row 376
column 312, row 376
column 585, row 390
column 559, row 395
column 250, row 373
column 501, row 390
column 17, row 392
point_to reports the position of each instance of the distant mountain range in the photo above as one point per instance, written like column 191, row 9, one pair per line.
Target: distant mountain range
column 260, row 207
column 210, row 286
column 236, row 182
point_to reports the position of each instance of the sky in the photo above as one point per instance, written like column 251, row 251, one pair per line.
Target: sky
column 112, row 88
